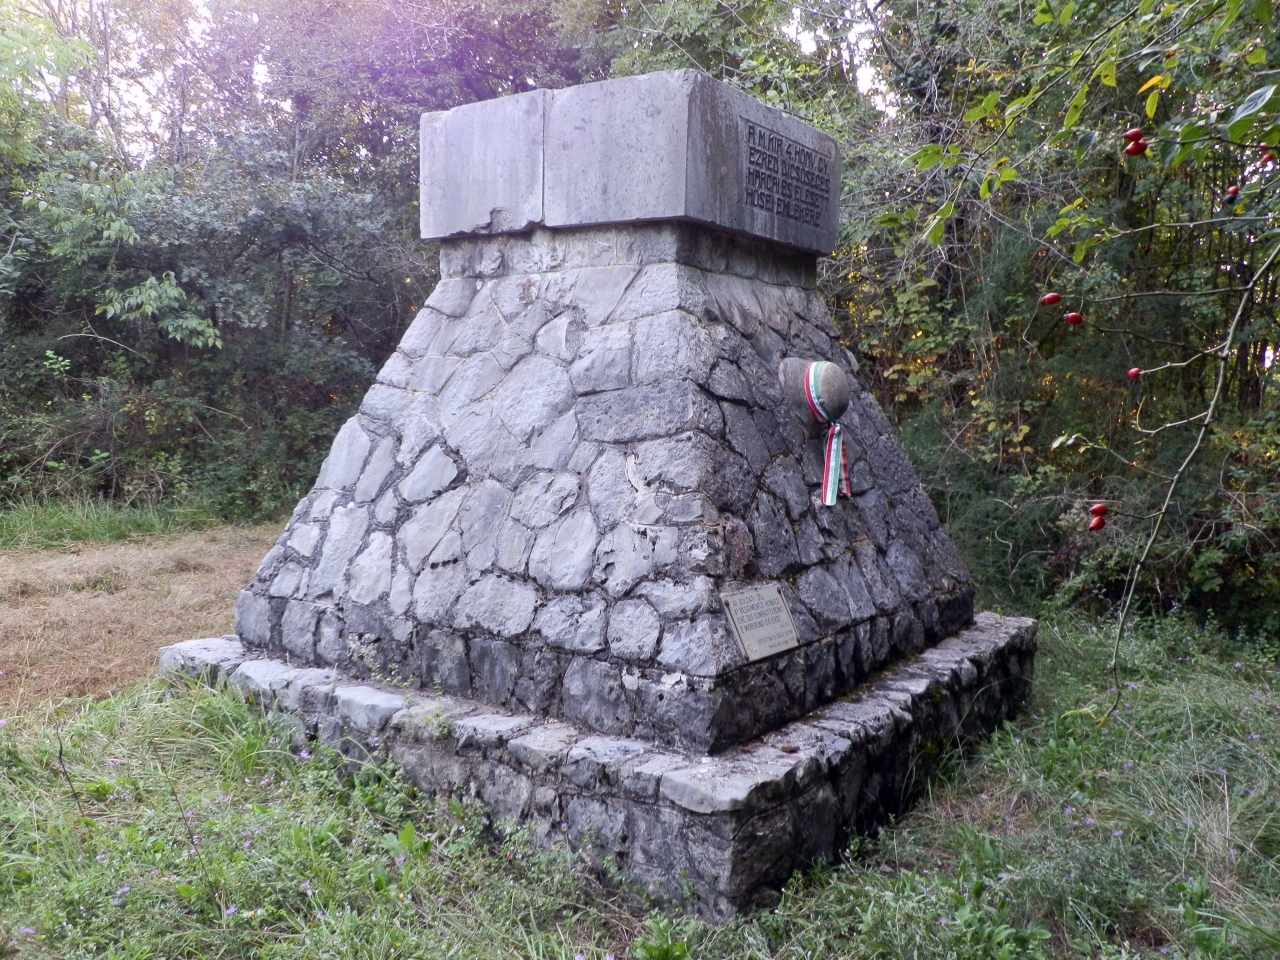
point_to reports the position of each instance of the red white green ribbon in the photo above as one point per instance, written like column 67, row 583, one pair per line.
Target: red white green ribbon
column 835, row 470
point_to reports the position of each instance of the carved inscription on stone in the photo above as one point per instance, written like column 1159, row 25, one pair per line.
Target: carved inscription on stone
column 761, row 621
column 784, row 177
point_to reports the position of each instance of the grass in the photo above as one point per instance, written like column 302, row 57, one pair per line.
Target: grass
column 172, row 822
column 44, row 524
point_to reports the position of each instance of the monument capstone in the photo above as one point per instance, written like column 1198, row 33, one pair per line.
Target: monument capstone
column 620, row 539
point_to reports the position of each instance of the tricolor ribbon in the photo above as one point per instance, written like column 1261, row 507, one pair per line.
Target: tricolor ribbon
column 835, row 470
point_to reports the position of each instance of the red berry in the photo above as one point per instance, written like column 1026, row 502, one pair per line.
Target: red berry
column 1232, row 190
column 1137, row 148
column 1098, row 509
column 1133, row 136
column 1097, row 523
column 1075, row 319
column 1049, row 299
column 1268, row 157
column 1135, row 373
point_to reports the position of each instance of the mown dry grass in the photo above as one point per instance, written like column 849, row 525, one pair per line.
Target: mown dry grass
column 88, row 619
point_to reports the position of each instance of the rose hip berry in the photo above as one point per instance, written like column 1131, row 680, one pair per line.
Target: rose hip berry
column 1049, row 299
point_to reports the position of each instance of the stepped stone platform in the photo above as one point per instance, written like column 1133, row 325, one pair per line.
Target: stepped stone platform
column 622, row 513
column 712, row 834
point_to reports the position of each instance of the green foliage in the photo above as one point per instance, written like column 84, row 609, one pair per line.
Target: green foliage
column 44, row 524
column 197, row 292
column 1006, row 180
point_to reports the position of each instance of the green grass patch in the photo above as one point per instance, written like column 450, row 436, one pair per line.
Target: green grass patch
column 62, row 522
column 199, row 831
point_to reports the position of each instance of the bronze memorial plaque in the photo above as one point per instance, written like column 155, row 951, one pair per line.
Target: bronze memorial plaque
column 761, row 621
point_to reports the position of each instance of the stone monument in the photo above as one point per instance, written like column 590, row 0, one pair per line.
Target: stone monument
column 619, row 540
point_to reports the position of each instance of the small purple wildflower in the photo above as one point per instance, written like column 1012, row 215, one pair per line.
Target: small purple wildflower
column 306, row 885
column 3, row 721
column 122, row 891
column 101, row 858
column 117, row 901
column 26, row 931
column 1088, row 821
column 231, row 911
column 1255, row 736
column 248, row 844
column 578, row 956
column 1117, row 833
column 1238, row 665
column 1126, row 766
column 305, row 755
column 399, row 860
column 1068, row 811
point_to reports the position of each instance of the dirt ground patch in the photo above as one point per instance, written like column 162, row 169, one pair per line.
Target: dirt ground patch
column 88, row 619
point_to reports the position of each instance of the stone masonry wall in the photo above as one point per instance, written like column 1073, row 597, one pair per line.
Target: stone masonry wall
column 711, row 834
column 579, row 442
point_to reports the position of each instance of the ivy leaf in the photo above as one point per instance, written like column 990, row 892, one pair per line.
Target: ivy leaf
column 1257, row 57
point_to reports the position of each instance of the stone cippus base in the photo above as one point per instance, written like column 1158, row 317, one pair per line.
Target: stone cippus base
column 716, row 834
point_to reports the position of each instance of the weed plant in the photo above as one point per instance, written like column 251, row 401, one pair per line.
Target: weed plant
column 54, row 523
column 195, row 829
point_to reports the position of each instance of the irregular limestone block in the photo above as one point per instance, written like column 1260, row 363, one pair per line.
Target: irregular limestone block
column 661, row 146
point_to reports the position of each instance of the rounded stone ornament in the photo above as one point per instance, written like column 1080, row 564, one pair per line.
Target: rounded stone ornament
column 832, row 387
